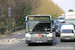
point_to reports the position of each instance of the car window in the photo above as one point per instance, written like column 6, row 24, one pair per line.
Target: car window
column 60, row 18
column 67, row 31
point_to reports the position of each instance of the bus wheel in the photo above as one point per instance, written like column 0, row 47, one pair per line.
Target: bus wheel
column 50, row 43
column 29, row 44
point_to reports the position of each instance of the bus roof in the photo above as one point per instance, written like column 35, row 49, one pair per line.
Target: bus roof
column 38, row 15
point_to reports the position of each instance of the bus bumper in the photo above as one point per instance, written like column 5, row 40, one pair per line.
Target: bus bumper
column 48, row 40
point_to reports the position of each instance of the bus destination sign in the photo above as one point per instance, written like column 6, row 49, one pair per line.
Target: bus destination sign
column 39, row 18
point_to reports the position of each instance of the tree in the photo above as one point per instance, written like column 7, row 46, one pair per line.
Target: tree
column 70, row 10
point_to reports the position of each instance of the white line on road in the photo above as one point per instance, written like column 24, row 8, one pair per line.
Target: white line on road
column 23, row 38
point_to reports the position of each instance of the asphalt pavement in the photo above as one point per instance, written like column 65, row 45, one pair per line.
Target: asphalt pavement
column 57, row 45
column 17, row 34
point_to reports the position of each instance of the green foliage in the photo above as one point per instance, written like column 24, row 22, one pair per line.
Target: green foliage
column 54, row 16
column 20, row 8
column 0, row 34
column 7, row 32
column 46, row 7
column 70, row 10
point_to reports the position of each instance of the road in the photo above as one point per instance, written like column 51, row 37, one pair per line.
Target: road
column 57, row 45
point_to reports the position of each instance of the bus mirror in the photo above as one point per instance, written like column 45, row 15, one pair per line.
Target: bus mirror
column 51, row 18
column 26, row 19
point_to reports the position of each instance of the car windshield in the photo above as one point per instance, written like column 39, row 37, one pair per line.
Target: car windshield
column 67, row 31
column 60, row 18
column 38, row 26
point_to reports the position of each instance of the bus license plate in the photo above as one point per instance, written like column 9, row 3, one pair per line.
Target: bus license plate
column 38, row 41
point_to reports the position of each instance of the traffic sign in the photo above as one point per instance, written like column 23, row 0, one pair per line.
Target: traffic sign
column 9, row 15
column 9, row 12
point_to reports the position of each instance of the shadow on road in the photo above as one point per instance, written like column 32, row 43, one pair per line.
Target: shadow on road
column 68, row 41
column 41, row 44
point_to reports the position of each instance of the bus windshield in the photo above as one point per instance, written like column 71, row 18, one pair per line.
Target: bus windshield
column 38, row 26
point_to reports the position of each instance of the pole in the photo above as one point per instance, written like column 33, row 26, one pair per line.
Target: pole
column 9, row 14
column 10, row 27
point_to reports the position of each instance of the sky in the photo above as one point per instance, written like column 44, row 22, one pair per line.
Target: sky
column 65, row 4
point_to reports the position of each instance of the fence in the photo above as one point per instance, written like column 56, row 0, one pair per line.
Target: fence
column 18, row 28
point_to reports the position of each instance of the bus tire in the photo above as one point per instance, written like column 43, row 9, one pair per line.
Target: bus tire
column 29, row 44
column 50, row 43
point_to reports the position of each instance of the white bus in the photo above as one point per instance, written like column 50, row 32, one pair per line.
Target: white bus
column 38, row 29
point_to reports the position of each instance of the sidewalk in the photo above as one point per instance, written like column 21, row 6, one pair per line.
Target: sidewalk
column 13, row 34
column 8, row 40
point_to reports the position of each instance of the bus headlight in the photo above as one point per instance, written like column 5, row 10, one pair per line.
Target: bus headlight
column 28, row 36
column 49, row 35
